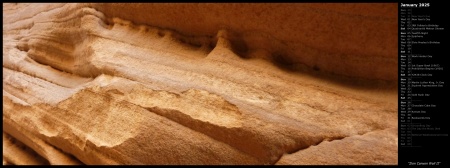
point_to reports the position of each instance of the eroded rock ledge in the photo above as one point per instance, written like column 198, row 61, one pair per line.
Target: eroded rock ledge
column 199, row 83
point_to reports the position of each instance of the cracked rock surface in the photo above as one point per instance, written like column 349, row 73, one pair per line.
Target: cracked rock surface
column 308, row 84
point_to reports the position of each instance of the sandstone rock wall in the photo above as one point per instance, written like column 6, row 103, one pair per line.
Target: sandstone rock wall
column 199, row 83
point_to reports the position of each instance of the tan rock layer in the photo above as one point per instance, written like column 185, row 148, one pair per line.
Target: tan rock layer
column 17, row 153
column 341, row 38
column 366, row 149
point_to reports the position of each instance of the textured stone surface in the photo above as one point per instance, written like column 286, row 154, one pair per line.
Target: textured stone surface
column 199, row 84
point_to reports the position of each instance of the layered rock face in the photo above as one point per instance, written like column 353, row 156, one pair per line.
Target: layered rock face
column 200, row 84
